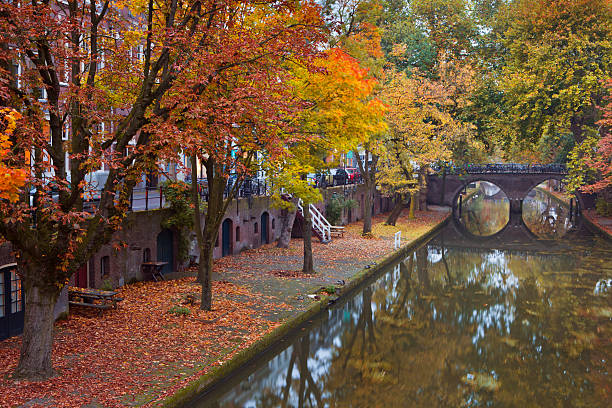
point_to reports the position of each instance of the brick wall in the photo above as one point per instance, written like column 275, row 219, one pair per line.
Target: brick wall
column 123, row 257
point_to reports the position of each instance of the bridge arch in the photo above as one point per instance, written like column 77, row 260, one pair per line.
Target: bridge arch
column 484, row 210
column 465, row 182
column 514, row 179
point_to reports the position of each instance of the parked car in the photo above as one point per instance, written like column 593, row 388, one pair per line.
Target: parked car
column 324, row 179
column 354, row 176
column 340, row 177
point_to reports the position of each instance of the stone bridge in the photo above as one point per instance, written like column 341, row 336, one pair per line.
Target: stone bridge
column 515, row 180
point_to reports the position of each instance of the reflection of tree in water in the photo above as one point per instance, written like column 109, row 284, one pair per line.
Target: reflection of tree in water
column 307, row 392
column 465, row 331
column 545, row 216
column 460, row 327
column 485, row 216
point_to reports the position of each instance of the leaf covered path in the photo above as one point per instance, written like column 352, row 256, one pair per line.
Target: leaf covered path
column 140, row 353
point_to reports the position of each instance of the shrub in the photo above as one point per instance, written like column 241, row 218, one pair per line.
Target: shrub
column 335, row 206
column 107, row 285
column 603, row 207
column 179, row 311
column 178, row 195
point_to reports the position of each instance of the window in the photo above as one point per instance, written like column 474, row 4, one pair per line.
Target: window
column 16, row 293
column 146, row 255
column 272, row 223
column 256, row 229
column 66, row 132
column 237, row 234
column 104, row 266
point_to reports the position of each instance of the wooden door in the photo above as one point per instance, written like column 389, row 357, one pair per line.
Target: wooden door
column 226, row 237
column 165, row 250
column 80, row 277
column 264, row 228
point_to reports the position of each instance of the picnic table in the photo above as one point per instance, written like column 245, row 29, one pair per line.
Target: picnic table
column 154, row 269
column 94, row 298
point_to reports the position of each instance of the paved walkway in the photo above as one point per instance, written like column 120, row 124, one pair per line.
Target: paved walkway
column 158, row 340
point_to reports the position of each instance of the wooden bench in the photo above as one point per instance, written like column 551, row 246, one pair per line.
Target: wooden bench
column 86, row 297
column 337, row 231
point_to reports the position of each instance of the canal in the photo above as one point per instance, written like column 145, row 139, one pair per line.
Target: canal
column 503, row 310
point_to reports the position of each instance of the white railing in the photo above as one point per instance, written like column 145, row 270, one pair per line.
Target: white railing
column 398, row 240
column 319, row 222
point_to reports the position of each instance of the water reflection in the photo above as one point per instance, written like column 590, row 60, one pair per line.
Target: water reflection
column 483, row 208
column 546, row 211
column 454, row 325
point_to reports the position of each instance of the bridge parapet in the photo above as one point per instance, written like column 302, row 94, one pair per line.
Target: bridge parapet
column 515, row 180
column 505, row 168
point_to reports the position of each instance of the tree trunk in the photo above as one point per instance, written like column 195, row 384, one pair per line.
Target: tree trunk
column 287, row 218
column 422, row 190
column 37, row 340
column 308, row 264
column 397, row 210
column 205, row 269
column 413, row 201
column 367, row 216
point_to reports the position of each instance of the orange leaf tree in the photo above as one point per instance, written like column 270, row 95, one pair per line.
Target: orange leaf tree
column 89, row 77
column 342, row 113
column 235, row 109
column 11, row 178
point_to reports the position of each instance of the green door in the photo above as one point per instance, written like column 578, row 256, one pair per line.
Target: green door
column 165, row 250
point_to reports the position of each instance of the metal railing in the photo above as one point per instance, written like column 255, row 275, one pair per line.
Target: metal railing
column 506, row 168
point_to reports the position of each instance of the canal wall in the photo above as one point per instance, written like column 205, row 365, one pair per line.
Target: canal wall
column 218, row 375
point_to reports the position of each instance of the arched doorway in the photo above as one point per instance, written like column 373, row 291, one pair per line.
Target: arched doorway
column 165, row 249
column 226, row 237
column 12, row 303
column 265, row 238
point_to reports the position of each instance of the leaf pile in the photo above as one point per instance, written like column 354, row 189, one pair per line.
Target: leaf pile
column 139, row 349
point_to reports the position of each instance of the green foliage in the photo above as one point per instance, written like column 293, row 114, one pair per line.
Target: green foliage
column 178, row 195
column 603, row 207
column 580, row 172
column 179, row 311
column 335, row 206
column 557, row 54
column 106, row 285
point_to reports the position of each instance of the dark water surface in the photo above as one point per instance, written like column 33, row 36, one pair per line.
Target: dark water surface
column 507, row 321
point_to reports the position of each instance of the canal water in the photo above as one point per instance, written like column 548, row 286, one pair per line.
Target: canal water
column 520, row 318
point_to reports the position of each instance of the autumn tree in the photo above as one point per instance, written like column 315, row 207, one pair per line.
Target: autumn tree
column 342, row 114
column 590, row 167
column 235, row 109
column 556, row 55
column 87, row 77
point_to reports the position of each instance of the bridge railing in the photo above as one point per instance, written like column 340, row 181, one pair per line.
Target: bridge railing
column 505, row 168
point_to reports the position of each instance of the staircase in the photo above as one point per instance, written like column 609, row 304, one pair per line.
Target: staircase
column 320, row 226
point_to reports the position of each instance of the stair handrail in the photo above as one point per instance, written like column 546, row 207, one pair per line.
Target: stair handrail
column 324, row 225
column 319, row 222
